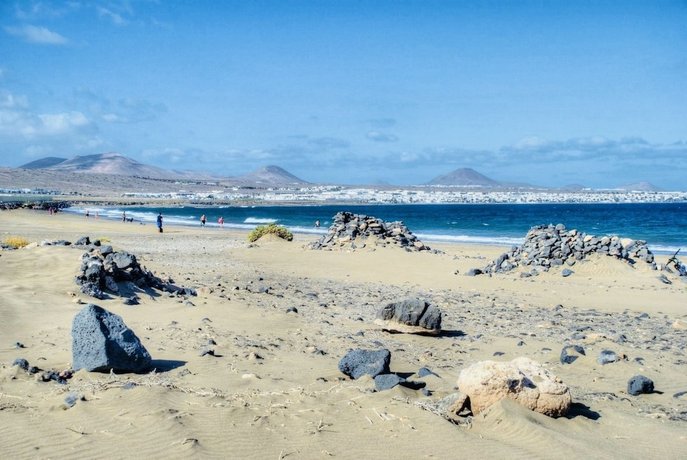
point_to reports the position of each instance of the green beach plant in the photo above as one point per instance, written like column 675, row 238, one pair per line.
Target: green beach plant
column 271, row 229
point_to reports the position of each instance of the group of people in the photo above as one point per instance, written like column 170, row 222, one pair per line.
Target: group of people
column 204, row 219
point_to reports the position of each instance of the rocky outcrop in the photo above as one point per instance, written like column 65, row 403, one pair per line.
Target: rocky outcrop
column 101, row 342
column 410, row 316
column 102, row 269
column 353, row 231
column 522, row 380
column 357, row 363
column 554, row 245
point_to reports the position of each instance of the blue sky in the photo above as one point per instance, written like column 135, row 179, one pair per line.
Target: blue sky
column 549, row 93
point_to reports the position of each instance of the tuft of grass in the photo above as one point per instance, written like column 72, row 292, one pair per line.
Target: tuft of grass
column 105, row 239
column 271, row 229
column 15, row 242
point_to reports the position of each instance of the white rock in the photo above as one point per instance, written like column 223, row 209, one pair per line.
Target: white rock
column 522, row 380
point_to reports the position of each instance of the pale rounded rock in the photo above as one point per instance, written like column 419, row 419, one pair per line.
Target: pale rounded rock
column 522, row 380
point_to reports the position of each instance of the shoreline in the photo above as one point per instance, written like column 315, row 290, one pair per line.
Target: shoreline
column 279, row 317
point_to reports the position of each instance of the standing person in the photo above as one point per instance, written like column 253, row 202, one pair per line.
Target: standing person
column 124, row 216
column 220, row 221
column 317, row 223
column 159, row 222
column 202, row 220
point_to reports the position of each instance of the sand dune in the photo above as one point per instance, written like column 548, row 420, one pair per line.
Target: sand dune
column 273, row 389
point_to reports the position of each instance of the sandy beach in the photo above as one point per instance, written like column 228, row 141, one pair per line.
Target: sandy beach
column 273, row 389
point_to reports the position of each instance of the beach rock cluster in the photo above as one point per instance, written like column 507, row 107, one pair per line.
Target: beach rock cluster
column 101, row 342
column 410, row 316
column 43, row 205
column 522, row 380
column 552, row 245
column 102, row 269
column 348, row 228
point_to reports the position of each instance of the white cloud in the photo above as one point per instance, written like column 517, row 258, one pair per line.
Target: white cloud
column 116, row 18
column 35, row 34
column 61, row 123
column 377, row 136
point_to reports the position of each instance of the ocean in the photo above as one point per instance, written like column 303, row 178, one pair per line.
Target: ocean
column 662, row 225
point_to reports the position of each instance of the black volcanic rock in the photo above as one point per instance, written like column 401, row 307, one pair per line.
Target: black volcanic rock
column 464, row 177
column 43, row 163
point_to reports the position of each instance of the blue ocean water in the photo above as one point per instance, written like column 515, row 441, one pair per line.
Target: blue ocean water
column 662, row 225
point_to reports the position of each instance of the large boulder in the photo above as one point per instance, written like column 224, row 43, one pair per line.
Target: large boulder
column 523, row 380
column 410, row 315
column 359, row 362
column 102, row 342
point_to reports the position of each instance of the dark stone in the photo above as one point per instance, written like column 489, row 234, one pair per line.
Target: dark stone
column 607, row 357
column 359, row 362
column 568, row 358
column 566, row 272
column 424, row 372
column 102, row 342
column 22, row 363
column 292, row 310
column 664, row 279
column 412, row 312
column 473, row 272
column 105, row 250
column 122, row 260
column 133, row 300
column 83, row 241
column 387, row 381
column 640, row 385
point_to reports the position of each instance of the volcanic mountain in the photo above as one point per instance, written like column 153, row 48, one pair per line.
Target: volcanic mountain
column 270, row 175
column 464, row 177
column 103, row 163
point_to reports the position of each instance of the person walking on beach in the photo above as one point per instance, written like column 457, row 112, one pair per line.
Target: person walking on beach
column 202, row 220
column 159, row 222
column 124, row 216
column 220, row 221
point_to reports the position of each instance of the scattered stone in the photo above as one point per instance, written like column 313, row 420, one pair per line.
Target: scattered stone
column 424, row 372
column 348, row 228
column 664, row 279
column 640, row 385
column 22, row 363
column 19, row 345
column 522, row 380
column 473, row 272
column 292, row 310
column 387, row 381
column 607, row 357
column 71, row 399
column 567, row 357
column 101, row 342
column 566, row 272
column 454, row 407
column 83, row 241
column 679, row 324
column 411, row 316
column 359, row 362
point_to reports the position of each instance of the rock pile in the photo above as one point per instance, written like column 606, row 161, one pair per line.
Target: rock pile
column 551, row 245
column 348, row 228
column 102, row 269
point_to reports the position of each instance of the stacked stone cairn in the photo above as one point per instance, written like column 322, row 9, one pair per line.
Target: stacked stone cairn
column 102, row 269
column 348, row 228
column 550, row 245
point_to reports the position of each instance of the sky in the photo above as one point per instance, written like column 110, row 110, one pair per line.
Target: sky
column 355, row 92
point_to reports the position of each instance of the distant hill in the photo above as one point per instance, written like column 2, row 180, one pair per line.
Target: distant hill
column 270, row 175
column 46, row 162
column 464, row 177
column 105, row 163
column 640, row 187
